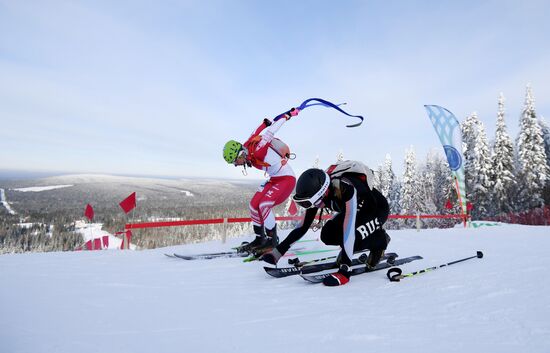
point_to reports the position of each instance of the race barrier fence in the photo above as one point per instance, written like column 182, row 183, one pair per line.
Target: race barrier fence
column 224, row 221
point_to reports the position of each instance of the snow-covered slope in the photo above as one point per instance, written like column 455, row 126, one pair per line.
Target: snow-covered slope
column 5, row 203
column 142, row 301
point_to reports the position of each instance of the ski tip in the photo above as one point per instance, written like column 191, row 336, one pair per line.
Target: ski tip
column 312, row 279
column 272, row 271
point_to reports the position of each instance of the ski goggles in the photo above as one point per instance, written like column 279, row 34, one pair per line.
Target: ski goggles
column 309, row 203
column 315, row 200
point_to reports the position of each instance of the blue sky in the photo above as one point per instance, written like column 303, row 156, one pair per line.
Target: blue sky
column 157, row 88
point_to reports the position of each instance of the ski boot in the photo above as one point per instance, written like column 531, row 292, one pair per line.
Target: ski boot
column 270, row 242
column 376, row 255
column 374, row 258
column 272, row 234
column 259, row 242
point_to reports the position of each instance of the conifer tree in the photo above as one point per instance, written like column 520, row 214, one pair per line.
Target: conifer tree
column 531, row 158
column 427, row 182
column 386, row 176
column 469, row 134
column 502, row 176
column 389, row 185
column 546, row 136
column 478, row 165
column 411, row 198
column 377, row 182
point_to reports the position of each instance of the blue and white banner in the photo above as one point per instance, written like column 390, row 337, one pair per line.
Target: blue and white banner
column 448, row 129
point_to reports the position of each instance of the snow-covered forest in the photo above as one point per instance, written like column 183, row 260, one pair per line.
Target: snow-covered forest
column 502, row 175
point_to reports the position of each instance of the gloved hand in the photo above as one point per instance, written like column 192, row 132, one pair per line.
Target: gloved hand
column 271, row 257
column 294, row 111
column 267, row 122
column 339, row 278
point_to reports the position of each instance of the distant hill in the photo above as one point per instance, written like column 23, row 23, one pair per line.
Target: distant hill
column 104, row 192
column 61, row 200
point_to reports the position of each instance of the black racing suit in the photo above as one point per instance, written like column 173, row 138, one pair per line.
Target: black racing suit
column 357, row 225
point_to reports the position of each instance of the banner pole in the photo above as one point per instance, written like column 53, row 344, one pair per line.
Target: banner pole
column 464, row 215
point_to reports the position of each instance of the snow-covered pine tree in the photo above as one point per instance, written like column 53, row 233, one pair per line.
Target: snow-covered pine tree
column 531, row 158
column 483, row 191
column 394, row 197
column 386, row 176
column 411, row 197
column 427, row 182
column 546, row 136
column 389, row 185
column 477, row 165
column 469, row 135
column 377, row 183
column 502, row 175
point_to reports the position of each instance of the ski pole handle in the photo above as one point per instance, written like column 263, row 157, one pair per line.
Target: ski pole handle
column 395, row 274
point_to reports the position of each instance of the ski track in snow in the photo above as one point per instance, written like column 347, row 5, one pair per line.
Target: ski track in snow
column 143, row 301
column 42, row 188
column 4, row 202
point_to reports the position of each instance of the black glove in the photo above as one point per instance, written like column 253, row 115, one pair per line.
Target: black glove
column 271, row 257
column 267, row 122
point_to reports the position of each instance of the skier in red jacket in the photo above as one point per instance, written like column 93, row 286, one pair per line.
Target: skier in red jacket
column 271, row 155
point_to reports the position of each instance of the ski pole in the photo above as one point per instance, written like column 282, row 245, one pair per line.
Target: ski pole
column 395, row 274
column 297, row 263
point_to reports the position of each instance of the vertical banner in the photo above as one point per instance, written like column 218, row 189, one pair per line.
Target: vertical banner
column 448, row 129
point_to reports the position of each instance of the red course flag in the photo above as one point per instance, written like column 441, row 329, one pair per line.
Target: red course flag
column 89, row 212
column 128, row 203
column 448, row 205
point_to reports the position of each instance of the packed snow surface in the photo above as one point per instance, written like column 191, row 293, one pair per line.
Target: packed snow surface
column 143, row 301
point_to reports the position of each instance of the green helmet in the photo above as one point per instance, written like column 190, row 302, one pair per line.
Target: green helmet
column 231, row 150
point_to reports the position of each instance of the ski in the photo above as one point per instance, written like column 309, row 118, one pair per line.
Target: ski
column 244, row 244
column 232, row 254
column 296, row 251
column 359, row 270
column 280, row 272
column 209, row 256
